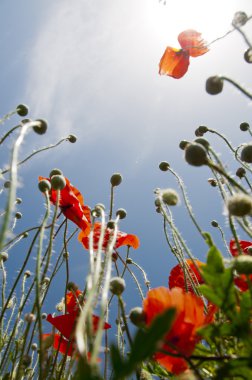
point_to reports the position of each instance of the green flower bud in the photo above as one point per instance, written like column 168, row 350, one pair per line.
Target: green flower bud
column 43, row 315
column 4, row 256
column 121, row 213
column 214, row 223
column 55, row 172
column 214, row 85
column 18, row 201
column 34, row 346
column 72, row 139
column 203, row 129
column 27, row 273
column 203, row 142
column 116, row 179
column 41, row 126
column 58, row 182
column 248, row 55
column 240, row 172
column 183, row 144
column 44, row 185
column 18, row 215
column 137, row 316
column 196, row 154
column 129, row 260
column 243, row 264
column 164, row 166
column 22, row 110
column 117, row 285
column 244, row 126
column 239, row 205
column 111, row 224
column 169, row 197
column 246, row 153
column 212, row 182
column 71, row 286
column 7, row 184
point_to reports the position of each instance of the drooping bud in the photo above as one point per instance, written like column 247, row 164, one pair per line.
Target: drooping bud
column 4, row 256
column 22, row 110
column 137, row 316
column 195, row 154
column 214, row 85
column 71, row 286
column 27, row 273
column 246, row 153
column 212, row 182
column 41, row 126
column 117, row 285
column 58, row 182
column 7, row 184
column 18, row 201
column 18, row 215
column 183, row 144
column 116, row 179
column 240, row 172
column 72, row 139
column 111, row 224
column 239, row 19
column 214, row 223
column 122, row 213
column 248, row 55
column 55, row 172
column 243, row 264
column 203, row 142
column 239, row 205
column 34, row 346
column 244, row 126
column 169, row 197
column 164, row 166
column 44, row 185
column 26, row 360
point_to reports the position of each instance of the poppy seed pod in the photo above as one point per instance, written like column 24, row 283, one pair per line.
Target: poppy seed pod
column 40, row 127
column 117, row 285
column 22, row 110
column 44, row 185
column 248, row 55
column 203, row 142
column 183, row 144
column 214, row 85
column 164, row 166
column 240, row 172
column 137, row 316
column 244, row 126
column 239, row 205
column 246, row 153
column 116, row 179
column 195, row 154
column 72, row 139
column 58, row 182
column 243, row 264
column 55, row 172
column 121, row 212
column 170, row 197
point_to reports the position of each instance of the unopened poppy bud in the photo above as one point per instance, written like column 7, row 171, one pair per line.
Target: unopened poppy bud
column 195, row 154
column 158, row 210
column 212, row 182
column 27, row 273
column 137, row 316
column 169, row 197
column 29, row 317
column 239, row 19
column 10, row 304
column 18, row 215
column 44, row 185
column 198, row 133
column 244, row 126
column 66, row 255
column 58, row 182
column 25, row 235
column 157, row 202
column 34, row 346
column 72, row 139
column 183, row 144
column 117, row 285
column 214, row 223
column 240, row 172
column 203, row 142
column 243, row 264
column 55, row 172
column 46, row 281
column 18, row 201
column 203, row 129
column 129, row 260
column 164, row 166
column 72, row 286
column 44, row 316
column 111, row 224
column 26, row 360
column 214, row 85
column 7, row 184
column 40, row 127
column 246, row 153
column 116, row 179
column 4, row 256
column 248, row 55
column 121, row 213
column 239, row 205
column 22, row 110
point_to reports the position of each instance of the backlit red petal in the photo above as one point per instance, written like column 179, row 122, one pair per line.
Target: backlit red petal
column 174, row 63
column 191, row 41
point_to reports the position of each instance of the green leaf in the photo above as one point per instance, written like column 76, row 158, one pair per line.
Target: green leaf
column 215, row 261
column 86, row 371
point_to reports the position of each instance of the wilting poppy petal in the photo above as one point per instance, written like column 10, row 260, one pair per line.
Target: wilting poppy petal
column 122, row 238
column 174, row 63
column 177, row 275
column 191, row 41
column 182, row 337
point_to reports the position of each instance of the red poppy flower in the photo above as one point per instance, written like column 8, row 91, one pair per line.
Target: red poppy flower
column 122, row 238
column 175, row 62
column 72, row 205
column 62, row 345
column 177, row 276
column 182, row 337
column 241, row 281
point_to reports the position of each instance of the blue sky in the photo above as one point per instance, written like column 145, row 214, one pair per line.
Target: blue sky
column 91, row 68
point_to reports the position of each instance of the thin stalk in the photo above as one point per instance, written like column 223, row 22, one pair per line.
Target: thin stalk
column 134, row 277
column 8, row 133
column 111, row 202
column 238, row 86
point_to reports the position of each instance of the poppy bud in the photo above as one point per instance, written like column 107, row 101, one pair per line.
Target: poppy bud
column 55, row 172
column 40, row 127
column 183, row 144
column 27, row 273
column 203, row 129
column 29, row 317
column 203, row 142
column 164, row 166
column 116, row 179
column 18, row 201
column 198, row 133
column 44, row 316
column 4, row 256
column 248, row 55
column 26, row 360
column 18, row 215
column 46, row 281
column 239, row 205
column 44, row 185
column 170, row 197
column 111, row 224
column 158, row 210
column 195, row 154
column 212, row 182
column 214, row 223
column 22, row 110
column 97, row 210
column 7, row 184
column 240, row 172
column 72, row 286
column 137, row 316
column 243, row 264
column 25, row 235
column 34, row 346
column 121, row 213
column 246, row 153
column 117, row 286
column 129, row 260
column 239, row 19
column 58, row 182
column 214, row 85
column 157, row 202
column 244, row 126
column 72, row 139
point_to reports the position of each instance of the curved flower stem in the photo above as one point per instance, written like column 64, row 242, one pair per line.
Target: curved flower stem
column 134, row 277
column 7, row 116
column 36, row 152
column 8, row 133
column 243, row 35
column 146, row 281
column 237, row 85
column 121, row 303
column 67, row 264
column 111, row 202
column 232, row 227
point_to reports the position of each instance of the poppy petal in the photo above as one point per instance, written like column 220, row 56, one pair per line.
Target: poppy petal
column 64, row 323
column 243, row 244
column 191, row 41
column 174, row 63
